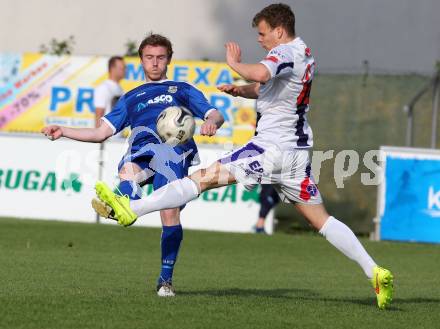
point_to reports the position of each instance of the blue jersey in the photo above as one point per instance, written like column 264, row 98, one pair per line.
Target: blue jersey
column 141, row 106
column 139, row 109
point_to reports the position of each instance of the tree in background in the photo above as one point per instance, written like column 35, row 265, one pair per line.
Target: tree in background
column 131, row 48
column 59, row 47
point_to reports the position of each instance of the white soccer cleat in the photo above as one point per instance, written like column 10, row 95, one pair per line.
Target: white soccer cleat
column 165, row 289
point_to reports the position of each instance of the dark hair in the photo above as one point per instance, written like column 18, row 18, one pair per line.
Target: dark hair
column 112, row 61
column 277, row 14
column 156, row 40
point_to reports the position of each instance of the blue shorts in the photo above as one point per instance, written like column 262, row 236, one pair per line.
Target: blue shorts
column 161, row 162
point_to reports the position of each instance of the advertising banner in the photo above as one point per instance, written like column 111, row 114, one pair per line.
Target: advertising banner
column 47, row 180
column 409, row 196
column 37, row 90
column 40, row 179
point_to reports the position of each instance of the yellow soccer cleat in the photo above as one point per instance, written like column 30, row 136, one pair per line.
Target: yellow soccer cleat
column 382, row 281
column 120, row 204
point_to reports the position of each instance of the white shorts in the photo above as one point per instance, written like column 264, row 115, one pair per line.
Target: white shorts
column 265, row 163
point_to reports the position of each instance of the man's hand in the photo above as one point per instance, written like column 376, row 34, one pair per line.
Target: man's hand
column 233, row 53
column 251, row 72
column 213, row 122
column 52, row 132
column 230, row 89
column 208, row 128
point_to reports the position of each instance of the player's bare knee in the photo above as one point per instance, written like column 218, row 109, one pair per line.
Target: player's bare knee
column 316, row 214
column 132, row 172
column 319, row 220
column 170, row 217
column 317, row 223
column 125, row 176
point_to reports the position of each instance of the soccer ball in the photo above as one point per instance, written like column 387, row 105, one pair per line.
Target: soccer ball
column 175, row 125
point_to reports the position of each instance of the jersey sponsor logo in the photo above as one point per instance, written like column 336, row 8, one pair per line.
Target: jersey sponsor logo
column 161, row 99
column 254, row 169
column 308, row 52
column 256, row 166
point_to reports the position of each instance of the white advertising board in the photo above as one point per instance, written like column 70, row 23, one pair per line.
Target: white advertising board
column 47, row 180
column 54, row 180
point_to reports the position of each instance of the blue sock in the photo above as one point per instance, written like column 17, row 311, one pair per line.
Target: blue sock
column 130, row 188
column 170, row 243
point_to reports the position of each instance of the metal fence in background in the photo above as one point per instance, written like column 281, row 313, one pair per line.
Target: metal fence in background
column 361, row 112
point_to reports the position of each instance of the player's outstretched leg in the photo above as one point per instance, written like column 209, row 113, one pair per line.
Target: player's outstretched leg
column 343, row 238
column 119, row 204
column 172, row 195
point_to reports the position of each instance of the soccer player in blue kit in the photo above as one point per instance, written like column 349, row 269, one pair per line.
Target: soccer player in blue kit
column 147, row 159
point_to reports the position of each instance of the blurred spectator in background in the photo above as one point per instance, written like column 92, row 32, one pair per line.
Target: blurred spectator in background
column 268, row 199
column 108, row 92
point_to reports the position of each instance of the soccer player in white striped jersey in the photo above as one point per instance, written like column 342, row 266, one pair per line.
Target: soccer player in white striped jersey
column 278, row 154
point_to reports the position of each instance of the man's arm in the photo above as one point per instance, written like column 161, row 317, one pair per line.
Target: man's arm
column 251, row 90
column 213, row 122
column 99, row 113
column 93, row 135
column 253, row 72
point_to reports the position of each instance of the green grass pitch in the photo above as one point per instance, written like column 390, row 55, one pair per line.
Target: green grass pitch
column 69, row 275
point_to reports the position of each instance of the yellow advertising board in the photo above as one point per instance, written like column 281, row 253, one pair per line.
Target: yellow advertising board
column 37, row 90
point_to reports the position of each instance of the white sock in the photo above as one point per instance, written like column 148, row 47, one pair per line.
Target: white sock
column 172, row 195
column 340, row 236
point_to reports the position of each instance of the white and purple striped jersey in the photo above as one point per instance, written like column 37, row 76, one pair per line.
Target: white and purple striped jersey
column 283, row 101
